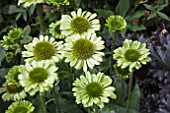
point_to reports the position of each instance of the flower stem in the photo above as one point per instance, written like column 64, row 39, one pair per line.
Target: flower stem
column 42, row 99
column 111, row 57
column 56, row 100
column 129, row 92
column 40, row 15
column 96, row 109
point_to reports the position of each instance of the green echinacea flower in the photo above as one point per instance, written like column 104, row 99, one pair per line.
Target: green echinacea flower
column 8, row 44
column 84, row 51
column 15, row 34
column 131, row 55
column 55, row 30
column 121, row 72
column 93, row 89
column 58, row 2
column 116, row 23
column 12, row 89
column 79, row 23
column 22, row 106
column 38, row 76
column 44, row 48
column 28, row 3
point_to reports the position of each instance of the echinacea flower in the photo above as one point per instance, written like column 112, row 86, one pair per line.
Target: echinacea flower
column 12, row 89
column 131, row 55
column 15, row 34
column 28, row 3
column 84, row 51
column 44, row 48
column 22, row 106
column 116, row 23
column 80, row 23
column 55, row 30
column 124, row 73
column 93, row 89
column 8, row 44
column 58, row 2
column 38, row 76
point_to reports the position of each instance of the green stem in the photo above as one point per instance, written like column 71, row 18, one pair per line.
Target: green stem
column 42, row 99
column 40, row 15
column 129, row 92
column 96, row 109
column 111, row 57
column 56, row 100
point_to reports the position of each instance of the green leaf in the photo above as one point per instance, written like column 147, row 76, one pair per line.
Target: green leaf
column 11, row 9
column 152, row 15
column 3, row 72
column 121, row 89
column 104, row 13
column 162, row 15
column 112, row 108
column 26, row 39
column 136, row 27
column 122, row 7
column 27, row 30
column 136, row 14
column 135, row 98
column 161, row 7
column 149, row 7
column 3, row 52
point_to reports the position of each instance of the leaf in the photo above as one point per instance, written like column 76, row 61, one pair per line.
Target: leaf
column 161, row 7
column 26, row 39
column 136, row 14
column 149, row 7
column 152, row 15
column 11, row 9
column 112, row 108
column 162, row 15
column 135, row 98
column 104, row 13
column 136, row 27
column 122, row 7
column 121, row 89
column 27, row 30
column 3, row 72
column 2, row 51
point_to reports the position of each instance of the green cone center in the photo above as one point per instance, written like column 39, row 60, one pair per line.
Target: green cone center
column 120, row 71
column 15, row 35
column 132, row 55
column 20, row 109
column 94, row 89
column 38, row 74
column 57, row 29
column 43, row 50
column 80, row 25
column 83, row 49
column 13, row 88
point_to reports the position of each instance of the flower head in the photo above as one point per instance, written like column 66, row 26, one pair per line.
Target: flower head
column 55, row 30
column 45, row 48
column 79, row 23
column 58, row 2
column 28, row 3
column 8, row 44
column 38, row 76
column 12, row 89
column 22, row 106
column 93, row 89
column 84, row 51
column 121, row 72
column 131, row 55
column 116, row 23
column 15, row 34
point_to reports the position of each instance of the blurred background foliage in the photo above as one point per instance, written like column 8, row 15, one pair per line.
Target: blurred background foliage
column 147, row 21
